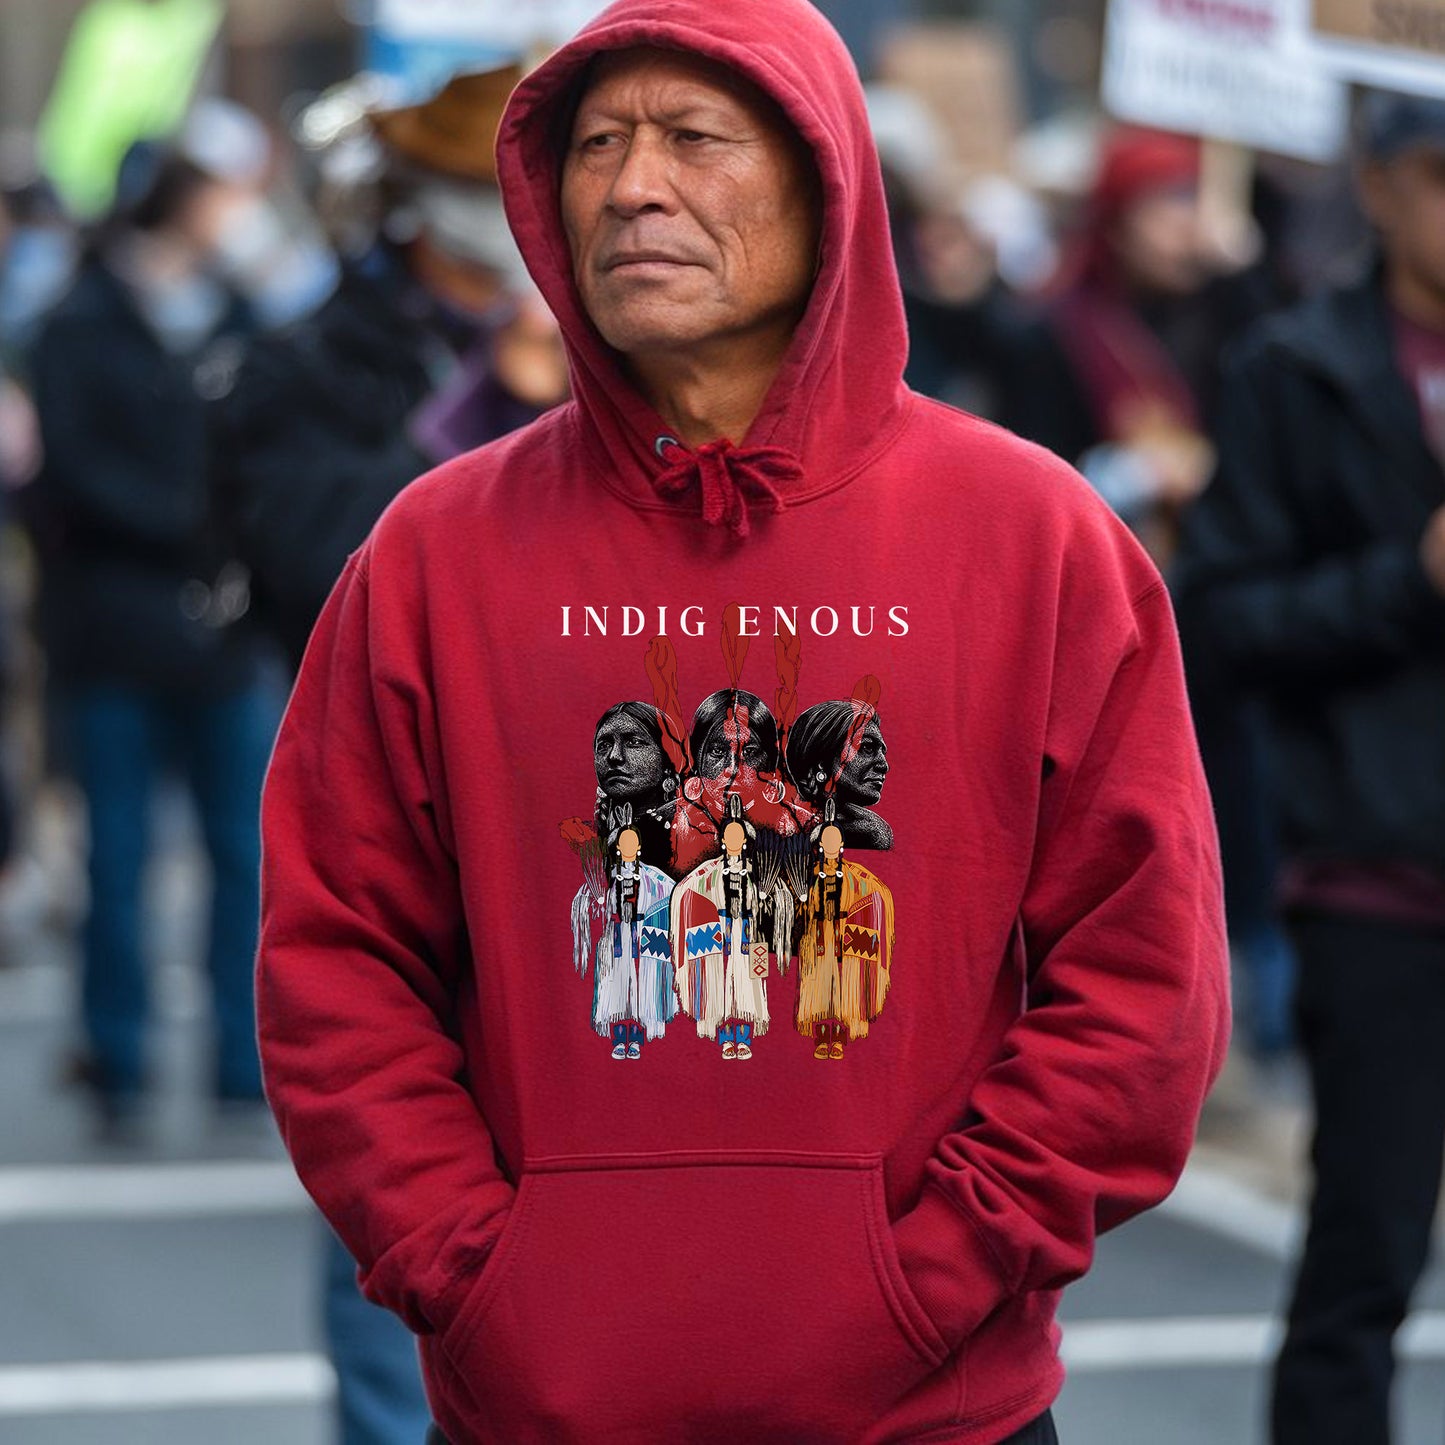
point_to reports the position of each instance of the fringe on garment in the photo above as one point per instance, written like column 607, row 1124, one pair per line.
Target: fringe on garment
column 581, row 930
column 782, row 941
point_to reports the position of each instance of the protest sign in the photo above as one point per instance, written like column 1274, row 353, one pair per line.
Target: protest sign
column 1230, row 70
column 1396, row 44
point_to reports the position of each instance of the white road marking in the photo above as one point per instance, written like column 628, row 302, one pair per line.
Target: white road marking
column 46, row 993
column 1098, row 1346
column 1093, row 1346
column 71, row 1193
column 1210, row 1199
column 103, row 1386
column 1090, row 1347
column 1205, row 1197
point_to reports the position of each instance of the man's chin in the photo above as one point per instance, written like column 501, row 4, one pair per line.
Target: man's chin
column 655, row 325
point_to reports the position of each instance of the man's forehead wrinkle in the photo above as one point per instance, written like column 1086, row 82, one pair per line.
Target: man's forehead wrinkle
column 697, row 80
column 677, row 103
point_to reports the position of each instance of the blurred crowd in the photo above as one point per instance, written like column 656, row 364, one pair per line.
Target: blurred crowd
column 220, row 365
column 220, row 360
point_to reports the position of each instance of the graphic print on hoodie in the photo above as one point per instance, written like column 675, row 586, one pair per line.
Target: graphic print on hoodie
column 775, row 1248
column 708, row 866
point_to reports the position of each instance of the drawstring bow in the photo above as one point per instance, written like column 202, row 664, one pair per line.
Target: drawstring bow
column 728, row 475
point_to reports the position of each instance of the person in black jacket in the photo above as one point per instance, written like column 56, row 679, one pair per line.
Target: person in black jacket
column 425, row 349
column 1315, row 564
column 143, row 621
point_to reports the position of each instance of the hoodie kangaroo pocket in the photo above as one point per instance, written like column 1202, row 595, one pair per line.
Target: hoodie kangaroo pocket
column 679, row 1296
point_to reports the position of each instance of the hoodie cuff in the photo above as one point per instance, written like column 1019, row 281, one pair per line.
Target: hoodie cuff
column 953, row 1273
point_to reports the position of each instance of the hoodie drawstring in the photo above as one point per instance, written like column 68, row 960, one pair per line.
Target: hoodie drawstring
column 727, row 475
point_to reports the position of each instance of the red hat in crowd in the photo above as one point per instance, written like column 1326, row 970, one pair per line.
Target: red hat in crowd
column 1137, row 163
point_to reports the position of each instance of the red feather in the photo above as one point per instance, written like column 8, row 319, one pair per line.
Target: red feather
column 662, row 673
column 578, row 833
column 788, row 659
column 866, row 692
column 734, row 644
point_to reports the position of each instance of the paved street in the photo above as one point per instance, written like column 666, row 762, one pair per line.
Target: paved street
column 172, row 1297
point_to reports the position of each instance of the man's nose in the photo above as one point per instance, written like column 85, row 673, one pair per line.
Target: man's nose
column 643, row 179
column 615, row 753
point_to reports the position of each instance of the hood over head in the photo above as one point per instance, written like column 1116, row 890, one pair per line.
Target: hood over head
column 838, row 397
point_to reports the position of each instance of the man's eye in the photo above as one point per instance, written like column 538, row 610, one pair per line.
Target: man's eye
column 596, row 142
column 691, row 137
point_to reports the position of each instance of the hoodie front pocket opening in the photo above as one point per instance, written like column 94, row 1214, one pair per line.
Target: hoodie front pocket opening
column 752, row 1288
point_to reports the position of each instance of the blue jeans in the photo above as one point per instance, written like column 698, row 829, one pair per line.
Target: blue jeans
column 380, row 1400
column 121, row 737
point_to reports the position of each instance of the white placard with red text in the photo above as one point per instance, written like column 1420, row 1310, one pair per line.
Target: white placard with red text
column 1233, row 70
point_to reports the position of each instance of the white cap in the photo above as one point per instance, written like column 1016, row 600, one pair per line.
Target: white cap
column 226, row 141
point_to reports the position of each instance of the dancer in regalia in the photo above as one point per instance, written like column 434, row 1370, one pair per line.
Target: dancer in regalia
column 632, row 992
column 727, row 930
column 845, row 947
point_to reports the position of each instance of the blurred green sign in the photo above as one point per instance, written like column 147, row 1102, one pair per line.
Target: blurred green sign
column 129, row 72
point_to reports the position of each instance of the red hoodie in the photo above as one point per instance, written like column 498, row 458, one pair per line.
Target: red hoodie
column 978, row 1037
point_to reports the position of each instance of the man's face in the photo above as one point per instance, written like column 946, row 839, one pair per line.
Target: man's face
column 1405, row 198
column 690, row 207
column 863, row 775
column 629, row 762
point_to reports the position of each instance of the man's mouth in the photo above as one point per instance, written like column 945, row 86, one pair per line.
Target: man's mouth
column 626, row 259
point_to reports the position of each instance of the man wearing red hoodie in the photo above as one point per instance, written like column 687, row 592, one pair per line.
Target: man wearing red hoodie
column 742, row 499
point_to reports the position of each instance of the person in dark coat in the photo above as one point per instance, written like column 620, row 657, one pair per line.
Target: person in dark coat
column 142, row 613
column 1121, row 378
column 429, row 346
column 1316, row 563
column 1118, row 361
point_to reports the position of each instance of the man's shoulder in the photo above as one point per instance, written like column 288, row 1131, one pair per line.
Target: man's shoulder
column 981, row 461
column 478, row 487
column 1021, row 502
column 1324, row 334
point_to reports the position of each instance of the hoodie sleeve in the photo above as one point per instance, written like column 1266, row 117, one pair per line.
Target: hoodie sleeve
column 1253, row 583
column 363, row 947
column 1087, row 1113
